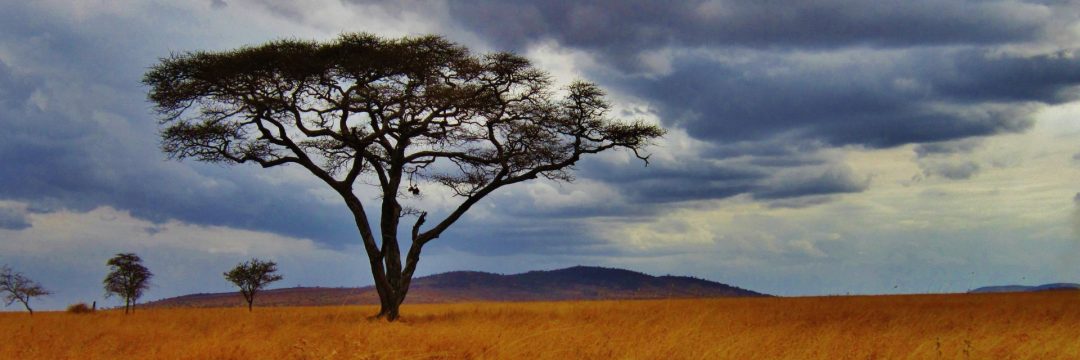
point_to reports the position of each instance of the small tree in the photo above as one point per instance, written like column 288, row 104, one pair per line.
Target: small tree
column 19, row 288
column 252, row 276
column 127, row 278
column 404, row 115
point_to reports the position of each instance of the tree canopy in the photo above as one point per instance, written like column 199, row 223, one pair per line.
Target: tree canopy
column 404, row 115
column 251, row 276
column 127, row 278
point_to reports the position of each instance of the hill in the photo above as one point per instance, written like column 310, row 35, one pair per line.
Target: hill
column 574, row 283
column 1024, row 288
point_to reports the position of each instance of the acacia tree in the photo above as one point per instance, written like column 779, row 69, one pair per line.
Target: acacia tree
column 19, row 288
column 251, row 276
column 127, row 278
column 399, row 114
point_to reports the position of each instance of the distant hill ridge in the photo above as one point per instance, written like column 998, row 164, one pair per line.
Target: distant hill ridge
column 1025, row 288
column 573, row 283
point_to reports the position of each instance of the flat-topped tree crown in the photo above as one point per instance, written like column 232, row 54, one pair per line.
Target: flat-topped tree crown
column 398, row 112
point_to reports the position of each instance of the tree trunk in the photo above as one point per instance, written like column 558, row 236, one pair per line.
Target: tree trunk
column 390, row 300
column 391, row 279
column 387, row 295
column 383, row 308
column 375, row 255
column 392, row 310
column 27, row 305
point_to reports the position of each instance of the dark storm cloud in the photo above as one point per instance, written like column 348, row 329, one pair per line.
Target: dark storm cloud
column 81, row 166
column 615, row 26
column 911, row 72
column 77, row 136
column 766, row 170
column 916, row 97
column 690, row 179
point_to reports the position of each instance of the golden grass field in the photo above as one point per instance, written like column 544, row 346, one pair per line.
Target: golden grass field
column 990, row 326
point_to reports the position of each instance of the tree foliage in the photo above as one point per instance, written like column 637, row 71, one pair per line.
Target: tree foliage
column 405, row 115
column 251, row 276
column 19, row 288
column 127, row 278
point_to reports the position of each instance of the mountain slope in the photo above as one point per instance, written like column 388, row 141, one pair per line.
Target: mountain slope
column 1024, row 288
column 574, row 283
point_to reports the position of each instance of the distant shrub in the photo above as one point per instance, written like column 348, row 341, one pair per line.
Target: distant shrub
column 80, row 308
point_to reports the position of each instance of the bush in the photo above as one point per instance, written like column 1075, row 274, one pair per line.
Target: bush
column 80, row 308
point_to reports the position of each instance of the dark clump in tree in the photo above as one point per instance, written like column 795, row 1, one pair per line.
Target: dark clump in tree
column 252, row 276
column 127, row 278
column 403, row 115
column 19, row 288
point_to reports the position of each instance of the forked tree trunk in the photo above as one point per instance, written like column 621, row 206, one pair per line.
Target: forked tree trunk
column 391, row 279
column 386, row 308
column 392, row 310
column 390, row 307
column 390, row 299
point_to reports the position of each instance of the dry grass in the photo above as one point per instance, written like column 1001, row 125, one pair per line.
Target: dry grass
column 997, row 326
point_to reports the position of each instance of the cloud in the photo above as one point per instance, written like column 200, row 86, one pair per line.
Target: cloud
column 946, row 148
column 625, row 27
column 12, row 218
column 950, row 170
column 689, row 179
column 79, row 135
column 948, row 159
column 807, row 182
column 767, row 170
column 512, row 236
column 801, row 202
column 862, row 98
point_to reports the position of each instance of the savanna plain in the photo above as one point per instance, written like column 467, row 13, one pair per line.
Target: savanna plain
column 962, row 326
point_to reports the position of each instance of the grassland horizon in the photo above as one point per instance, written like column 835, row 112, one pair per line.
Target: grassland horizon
column 956, row 326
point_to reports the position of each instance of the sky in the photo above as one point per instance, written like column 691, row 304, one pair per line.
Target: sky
column 813, row 148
